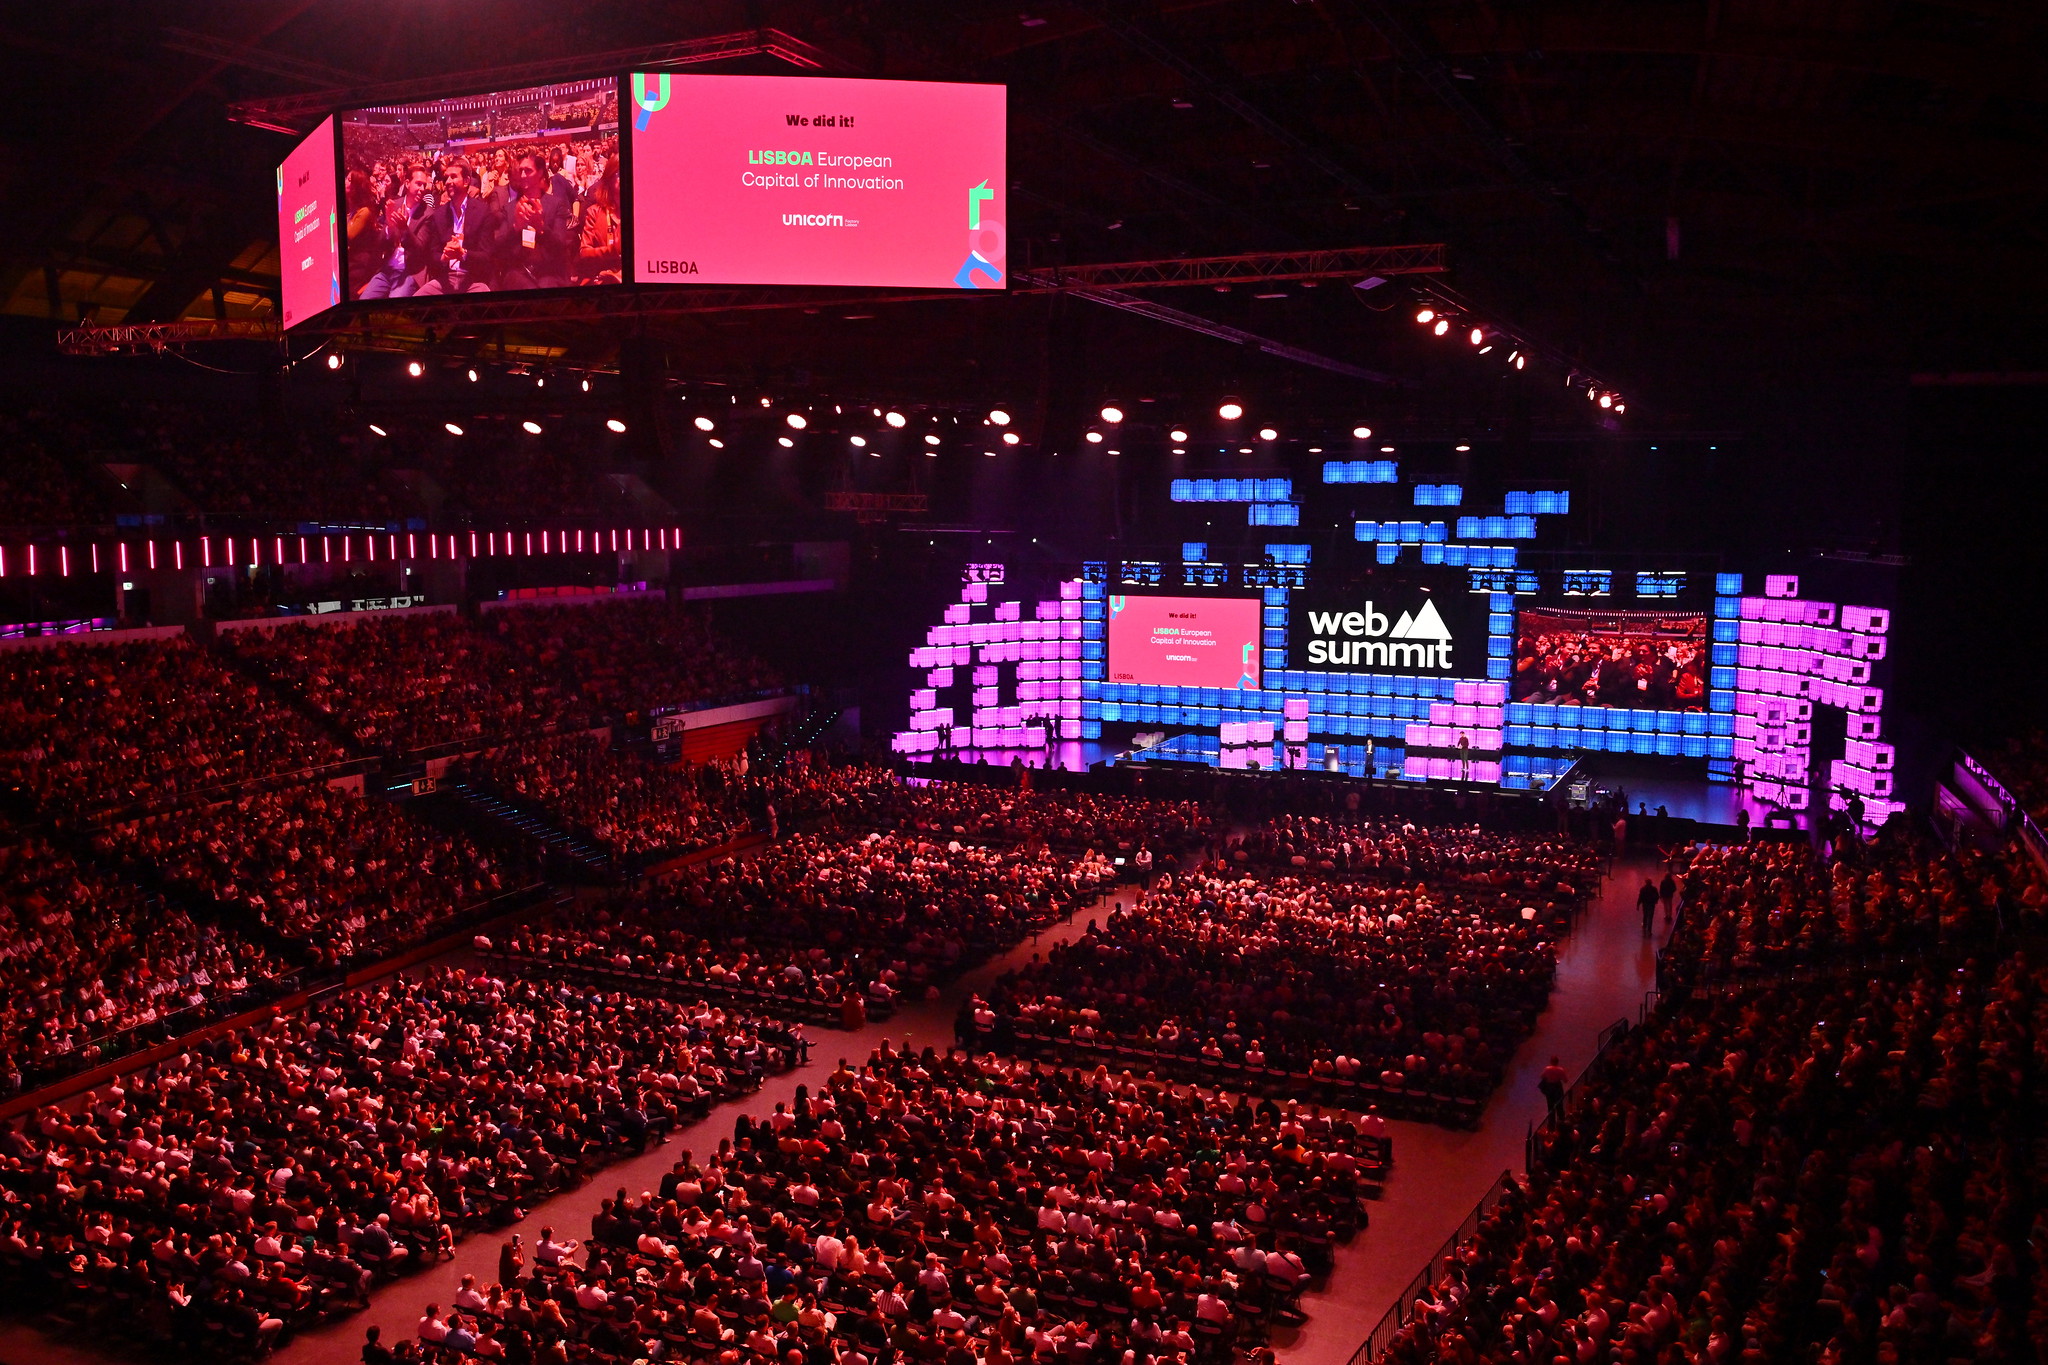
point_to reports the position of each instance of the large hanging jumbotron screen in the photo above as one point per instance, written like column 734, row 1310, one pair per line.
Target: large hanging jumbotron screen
column 808, row 180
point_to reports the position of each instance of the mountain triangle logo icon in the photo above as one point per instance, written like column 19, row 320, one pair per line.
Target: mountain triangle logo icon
column 1425, row 624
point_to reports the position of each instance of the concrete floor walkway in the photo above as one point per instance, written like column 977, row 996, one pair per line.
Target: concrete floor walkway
column 1603, row 971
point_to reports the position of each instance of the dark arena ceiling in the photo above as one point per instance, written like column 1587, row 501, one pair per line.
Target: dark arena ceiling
column 1718, row 208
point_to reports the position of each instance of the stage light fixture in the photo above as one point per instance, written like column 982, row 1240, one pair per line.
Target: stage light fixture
column 1478, row 335
column 586, row 384
column 1231, row 411
column 414, row 368
column 1112, row 415
column 333, row 361
column 540, row 381
column 1386, row 450
column 858, row 440
column 473, row 376
column 767, row 402
column 1244, row 450
column 1179, row 450
column 530, row 428
column 615, row 424
column 1176, row 435
column 796, row 420
column 1487, row 347
column 717, row 444
column 1521, row 361
column 451, row 428
column 1425, row 315
column 705, row 424
column 1606, row 400
column 1462, row 449
column 1268, row 434
column 379, row 430
column 785, row 442
column 1095, row 438
column 1361, row 433
column 1443, row 325
column 930, row 439
column 894, row 419
column 1621, row 407
column 999, row 417
column 1592, row 395
column 1011, row 438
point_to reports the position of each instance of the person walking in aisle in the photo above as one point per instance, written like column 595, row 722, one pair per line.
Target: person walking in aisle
column 1646, row 901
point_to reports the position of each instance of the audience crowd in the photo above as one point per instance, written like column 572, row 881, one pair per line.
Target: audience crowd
column 631, row 656
column 243, row 1187
column 1069, row 821
column 1557, row 871
column 1397, row 988
column 86, row 728
column 330, row 873
column 90, row 963
column 629, row 806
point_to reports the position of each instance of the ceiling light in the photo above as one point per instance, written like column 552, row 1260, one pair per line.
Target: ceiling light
column 1268, row 434
column 414, row 368
column 1179, row 451
column 540, row 381
column 451, row 428
column 930, row 439
column 767, row 402
column 586, row 383
column 1386, row 450
column 379, row 430
column 796, row 420
column 1478, row 335
column 717, row 444
column 615, row 424
column 1443, row 325
column 1520, row 360
column 999, row 417
column 1231, row 411
column 1487, row 347
column 1361, row 433
column 1621, row 407
column 1315, row 450
column 1011, row 438
column 858, row 440
column 1112, row 415
column 894, row 419
column 333, row 362
column 785, row 442
column 1176, row 435
column 1463, row 449
column 531, row 428
column 472, row 376
column 1606, row 400
column 1095, row 437
column 705, row 424
column 1426, row 315
column 1244, row 450
column 1592, row 395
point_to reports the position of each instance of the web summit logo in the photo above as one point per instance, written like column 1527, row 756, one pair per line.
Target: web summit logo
column 1347, row 639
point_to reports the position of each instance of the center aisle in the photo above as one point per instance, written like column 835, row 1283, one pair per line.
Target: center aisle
column 396, row 1306
column 1603, row 971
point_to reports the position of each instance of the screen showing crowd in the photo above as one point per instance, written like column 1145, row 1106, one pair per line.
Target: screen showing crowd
column 1653, row 660
column 515, row 190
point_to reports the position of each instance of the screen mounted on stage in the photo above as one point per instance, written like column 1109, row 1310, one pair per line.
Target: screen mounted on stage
column 1389, row 626
column 818, row 181
column 516, row 190
column 1649, row 659
column 1184, row 641
column 308, row 232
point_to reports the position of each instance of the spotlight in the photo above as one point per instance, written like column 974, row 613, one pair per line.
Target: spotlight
column 472, row 376
column 767, row 402
column 540, row 381
column 1606, row 400
column 1487, row 347
column 785, row 442
column 1463, row 449
column 1011, row 438
column 615, row 424
column 414, row 368
column 379, row 430
column 333, row 361
column 1521, row 361
column 858, row 440
column 1244, row 450
column 796, row 420
column 894, row 419
column 999, row 417
column 1443, row 325
column 705, row 424
column 1112, row 415
column 1592, row 395
column 717, row 444
column 1386, row 450
column 930, row 439
column 1176, row 435
column 1426, row 315
column 1361, row 433
column 1268, row 434
column 1231, row 411
column 451, row 428
column 1178, row 450
column 530, row 428
column 586, row 384
column 1478, row 335
column 1095, row 437
column 1621, row 407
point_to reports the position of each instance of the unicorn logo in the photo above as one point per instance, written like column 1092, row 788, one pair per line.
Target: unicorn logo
column 648, row 105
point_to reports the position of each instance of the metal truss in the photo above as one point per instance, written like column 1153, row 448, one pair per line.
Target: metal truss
column 873, row 507
column 296, row 113
column 139, row 338
column 1257, row 267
